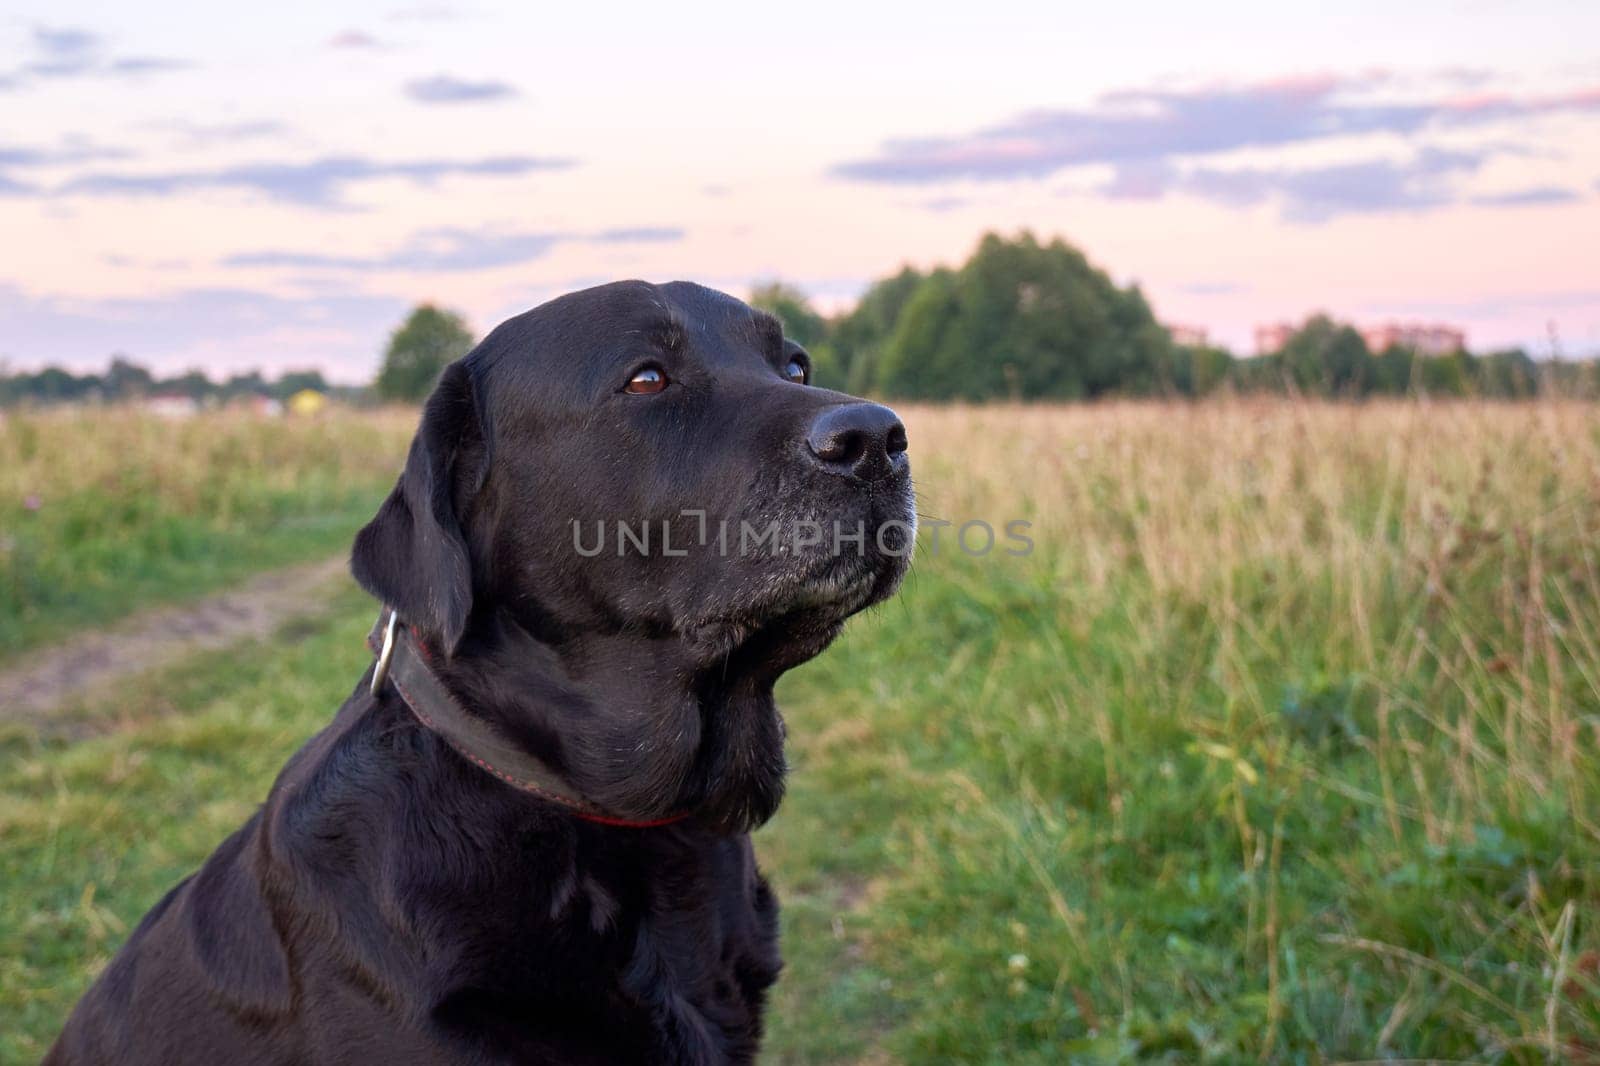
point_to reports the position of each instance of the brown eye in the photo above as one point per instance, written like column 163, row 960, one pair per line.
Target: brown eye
column 646, row 382
column 795, row 371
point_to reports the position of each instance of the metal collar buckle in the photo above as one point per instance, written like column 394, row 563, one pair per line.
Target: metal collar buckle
column 380, row 672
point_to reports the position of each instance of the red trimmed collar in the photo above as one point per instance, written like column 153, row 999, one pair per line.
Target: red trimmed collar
column 405, row 662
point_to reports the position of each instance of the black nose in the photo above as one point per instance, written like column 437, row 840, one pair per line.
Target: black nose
column 864, row 440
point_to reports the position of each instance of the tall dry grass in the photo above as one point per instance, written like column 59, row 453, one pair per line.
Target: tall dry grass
column 55, row 453
column 1281, row 743
column 1461, row 535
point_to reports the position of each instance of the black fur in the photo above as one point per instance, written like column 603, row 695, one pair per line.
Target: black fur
column 391, row 902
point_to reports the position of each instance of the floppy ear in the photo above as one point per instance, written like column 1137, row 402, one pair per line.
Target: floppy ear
column 413, row 555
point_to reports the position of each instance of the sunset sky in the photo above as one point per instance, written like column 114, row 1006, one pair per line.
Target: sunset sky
column 273, row 185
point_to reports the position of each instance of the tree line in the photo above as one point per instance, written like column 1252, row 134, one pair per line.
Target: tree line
column 418, row 349
column 1019, row 320
column 1026, row 320
column 125, row 380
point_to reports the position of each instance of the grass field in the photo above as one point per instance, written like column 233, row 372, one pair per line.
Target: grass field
column 104, row 510
column 1280, row 746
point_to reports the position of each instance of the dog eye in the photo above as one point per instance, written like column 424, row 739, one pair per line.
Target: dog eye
column 647, row 381
column 797, row 372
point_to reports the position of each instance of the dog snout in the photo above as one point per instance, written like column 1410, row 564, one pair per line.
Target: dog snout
column 862, row 440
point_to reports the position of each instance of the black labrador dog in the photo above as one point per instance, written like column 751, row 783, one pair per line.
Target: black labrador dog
column 524, row 838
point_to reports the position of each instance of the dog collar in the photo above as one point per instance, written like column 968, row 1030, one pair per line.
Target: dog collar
column 404, row 661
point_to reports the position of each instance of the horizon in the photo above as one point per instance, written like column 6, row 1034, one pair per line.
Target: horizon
column 274, row 190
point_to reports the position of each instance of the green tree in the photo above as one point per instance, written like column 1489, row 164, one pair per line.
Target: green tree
column 1509, row 373
column 127, row 380
column 1024, row 320
column 801, row 322
column 249, row 383
column 54, row 385
column 429, row 339
column 1392, row 370
column 1445, row 375
column 860, row 337
column 913, row 363
column 1328, row 358
column 294, row 381
column 1195, row 371
column 191, row 383
column 804, row 325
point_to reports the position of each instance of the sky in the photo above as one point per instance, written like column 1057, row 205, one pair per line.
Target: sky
column 273, row 186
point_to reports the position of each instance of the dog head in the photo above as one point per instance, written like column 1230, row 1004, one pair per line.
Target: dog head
column 631, row 503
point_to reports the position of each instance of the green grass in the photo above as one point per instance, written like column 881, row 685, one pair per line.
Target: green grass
column 1063, row 864
column 103, row 512
column 1280, row 747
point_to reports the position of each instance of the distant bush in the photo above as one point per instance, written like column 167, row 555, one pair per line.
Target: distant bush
column 429, row 339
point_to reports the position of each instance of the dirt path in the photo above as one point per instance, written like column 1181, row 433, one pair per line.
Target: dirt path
column 60, row 675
